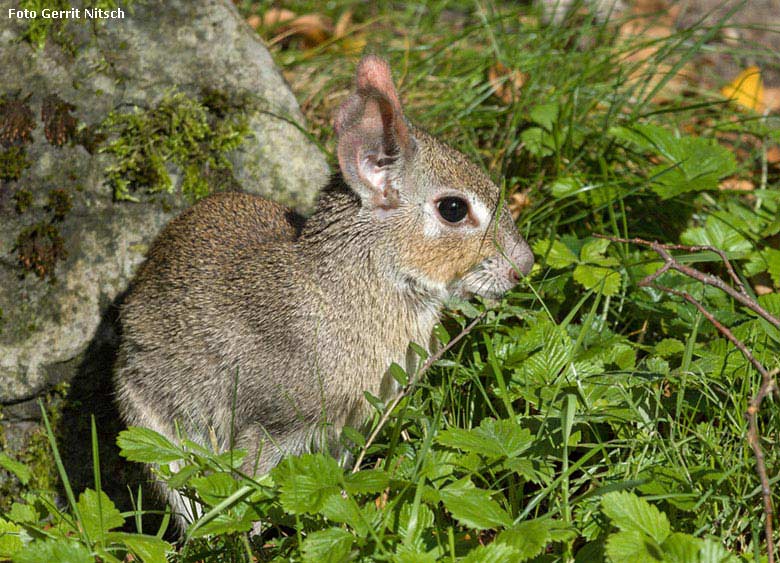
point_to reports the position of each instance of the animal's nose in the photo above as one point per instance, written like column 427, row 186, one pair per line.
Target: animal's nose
column 522, row 257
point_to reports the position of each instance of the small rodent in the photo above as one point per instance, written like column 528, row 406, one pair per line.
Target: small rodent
column 244, row 319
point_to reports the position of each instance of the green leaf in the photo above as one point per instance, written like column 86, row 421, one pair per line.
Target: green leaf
column 534, row 470
column 368, row 481
column 10, row 540
column 237, row 519
column 98, row 514
column 537, row 141
column 328, row 546
column 719, row 233
column 345, row 511
column 691, row 163
column 772, row 257
column 545, row 115
column 633, row 514
column 473, row 507
column 305, row 481
column 681, row 548
column 214, row 488
column 150, row 549
column 492, row 553
column 493, row 438
column 411, row 524
column 407, row 554
column 147, row 446
column 22, row 513
column 593, row 250
column 633, row 546
column 399, row 374
column 713, row 552
column 556, row 254
column 63, row 550
column 592, row 277
column 669, row 347
column 565, row 187
column 21, row 471
column 529, row 538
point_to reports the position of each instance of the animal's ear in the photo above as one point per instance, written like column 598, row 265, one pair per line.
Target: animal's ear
column 372, row 134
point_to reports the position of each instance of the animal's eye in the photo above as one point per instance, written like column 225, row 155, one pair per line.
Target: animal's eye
column 453, row 209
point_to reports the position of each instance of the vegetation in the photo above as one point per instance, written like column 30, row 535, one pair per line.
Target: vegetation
column 587, row 417
column 40, row 29
column 181, row 131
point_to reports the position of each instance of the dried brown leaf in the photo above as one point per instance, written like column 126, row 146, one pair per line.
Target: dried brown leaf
column 343, row 24
column 507, row 84
column 254, row 21
column 737, row 184
column 518, row 201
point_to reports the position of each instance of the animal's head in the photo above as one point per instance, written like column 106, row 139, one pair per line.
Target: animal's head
column 440, row 215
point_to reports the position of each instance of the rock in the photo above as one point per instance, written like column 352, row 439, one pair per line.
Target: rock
column 81, row 257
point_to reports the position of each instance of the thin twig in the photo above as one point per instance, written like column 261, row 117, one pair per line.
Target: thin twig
column 671, row 263
column 768, row 378
column 432, row 359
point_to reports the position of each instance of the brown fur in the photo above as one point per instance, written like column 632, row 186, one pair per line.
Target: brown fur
column 233, row 300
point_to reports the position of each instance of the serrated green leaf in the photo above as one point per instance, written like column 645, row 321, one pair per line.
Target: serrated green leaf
column 592, row 277
column 633, row 546
column 147, row 446
column 691, row 163
column 669, row 347
column 10, row 540
column 593, row 250
column 713, row 552
column 537, row 141
column 473, row 507
column 150, row 549
column 492, row 553
column 305, row 481
column 534, row 470
column 633, row 514
column 215, row 487
column 20, row 470
column 407, row 554
column 62, row 550
column 681, row 548
column 772, row 257
column 98, row 513
column 545, row 115
column 344, row 511
column 556, row 254
column 328, row 546
column 492, row 438
column 719, row 233
column 424, row 519
column 367, row 481
column 529, row 538
column 22, row 513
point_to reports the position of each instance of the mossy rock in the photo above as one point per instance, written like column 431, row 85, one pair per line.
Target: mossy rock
column 68, row 247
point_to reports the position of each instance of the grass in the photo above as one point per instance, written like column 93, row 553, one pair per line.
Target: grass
column 584, row 418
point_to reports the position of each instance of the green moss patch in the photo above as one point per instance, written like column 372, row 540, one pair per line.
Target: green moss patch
column 193, row 135
column 13, row 161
